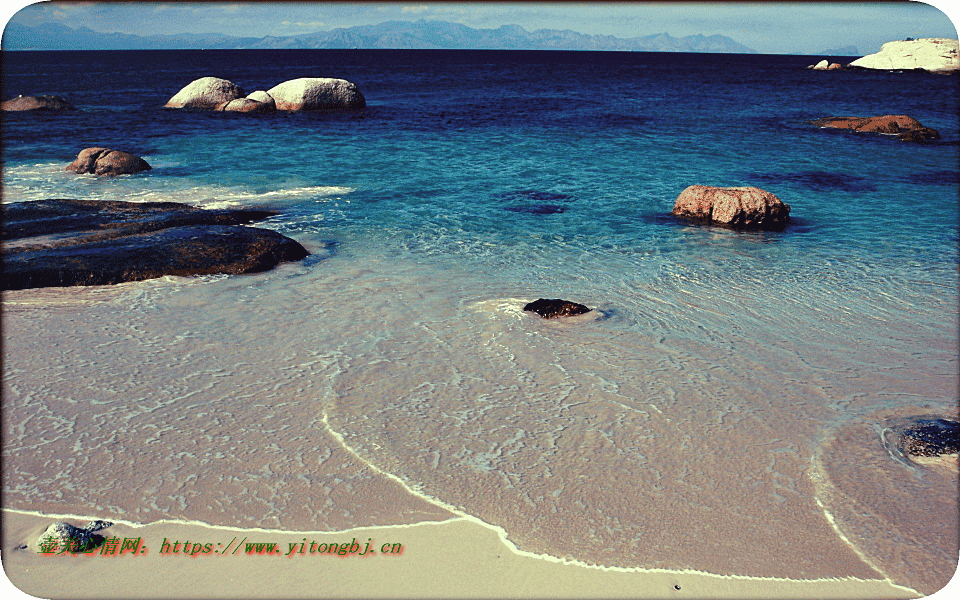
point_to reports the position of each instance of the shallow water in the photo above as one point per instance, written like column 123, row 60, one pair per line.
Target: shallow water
column 720, row 410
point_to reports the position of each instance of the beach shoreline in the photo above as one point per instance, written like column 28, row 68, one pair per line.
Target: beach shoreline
column 452, row 559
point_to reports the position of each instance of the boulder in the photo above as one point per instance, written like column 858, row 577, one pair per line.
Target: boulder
column 930, row 54
column 551, row 309
column 735, row 207
column 205, row 93
column 247, row 105
column 822, row 65
column 59, row 243
column 904, row 127
column 64, row 537
column 21, row 103
column 104, row 161
column 834, row 66
column 316, row 93
column 262, row 97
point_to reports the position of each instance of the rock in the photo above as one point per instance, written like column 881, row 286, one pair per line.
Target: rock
column 822, row 65
column 904, row 127
column 247, row 105
column 60, row 535
column 736, row 207
column 263, row 97
column 931, row 437
column 205, row 93
column 834, row 66
column 104, row 161
column 930, row 54
column 316, row 93
column 21, row 103
column 58, row 243
column 551, row 309
column 537, row 209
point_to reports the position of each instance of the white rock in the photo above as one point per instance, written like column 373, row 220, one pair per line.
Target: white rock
column 316, row 93
column 822, row 65
column 206, row 92
column 262, row 97
column 932, row 54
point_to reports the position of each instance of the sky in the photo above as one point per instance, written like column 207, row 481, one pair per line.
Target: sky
column 768, row 27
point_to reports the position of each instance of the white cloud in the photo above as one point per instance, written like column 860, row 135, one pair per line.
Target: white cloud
column 415, row 9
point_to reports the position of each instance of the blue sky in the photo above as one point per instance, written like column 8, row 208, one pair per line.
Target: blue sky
column 768, row 27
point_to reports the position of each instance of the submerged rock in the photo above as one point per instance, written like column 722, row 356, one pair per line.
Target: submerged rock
column 21, row 103
column 931, row 437
column 537, row 209
column 551, row 309
column 904, row 127
column 104, row 161
column 929, row 54
column 62, row 536
column 205, row 93
column 735, row 207
column 58, row 243
column 316, row 93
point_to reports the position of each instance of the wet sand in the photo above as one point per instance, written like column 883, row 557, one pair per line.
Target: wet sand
column 453, row 559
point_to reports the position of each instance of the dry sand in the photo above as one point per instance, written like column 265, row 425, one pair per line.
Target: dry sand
column 454, row 559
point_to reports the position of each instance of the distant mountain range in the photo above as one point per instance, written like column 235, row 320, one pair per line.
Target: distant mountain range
column 845, row 51
column 421, row 34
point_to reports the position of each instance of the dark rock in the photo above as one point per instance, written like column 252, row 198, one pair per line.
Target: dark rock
column 57, row 243
column 60, row 536
column 551, row 309
column 905, row 128
column 21, row 103
column 931, row 437
column 736, row 207
column 104, row 161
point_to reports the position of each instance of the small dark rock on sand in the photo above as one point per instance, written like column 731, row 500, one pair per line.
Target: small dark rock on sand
column 931, row 437
column 551, row 309
column 60, row 536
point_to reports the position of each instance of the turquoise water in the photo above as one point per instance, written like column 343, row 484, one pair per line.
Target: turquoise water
column 691, row 421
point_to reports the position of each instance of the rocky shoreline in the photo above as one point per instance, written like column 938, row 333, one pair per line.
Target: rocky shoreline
column 62, row 243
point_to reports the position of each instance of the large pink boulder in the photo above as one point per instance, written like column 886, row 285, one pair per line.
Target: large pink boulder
column 736, row 207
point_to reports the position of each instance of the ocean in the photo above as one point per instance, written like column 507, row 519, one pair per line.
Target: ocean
column 727, row 407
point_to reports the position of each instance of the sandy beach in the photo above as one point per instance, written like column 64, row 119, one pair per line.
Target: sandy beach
column 452, row 559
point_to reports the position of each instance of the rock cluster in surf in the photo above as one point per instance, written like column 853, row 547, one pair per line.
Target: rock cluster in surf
column 303, row 94
column 931, row 437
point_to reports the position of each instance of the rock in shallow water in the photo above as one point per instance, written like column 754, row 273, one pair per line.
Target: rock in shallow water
column 58, row 243
column 22, row 103
column 734, row 207
column 104, row 161
column 551, row 309
column 905, row 128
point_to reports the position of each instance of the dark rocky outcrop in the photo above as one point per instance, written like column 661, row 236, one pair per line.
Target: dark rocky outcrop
column 64, row 537
column 905, row 128
column 746, row 208
column 21, row 103
column 104, row 161
column 551, row 309
column 58, row 243
column 931, row 437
